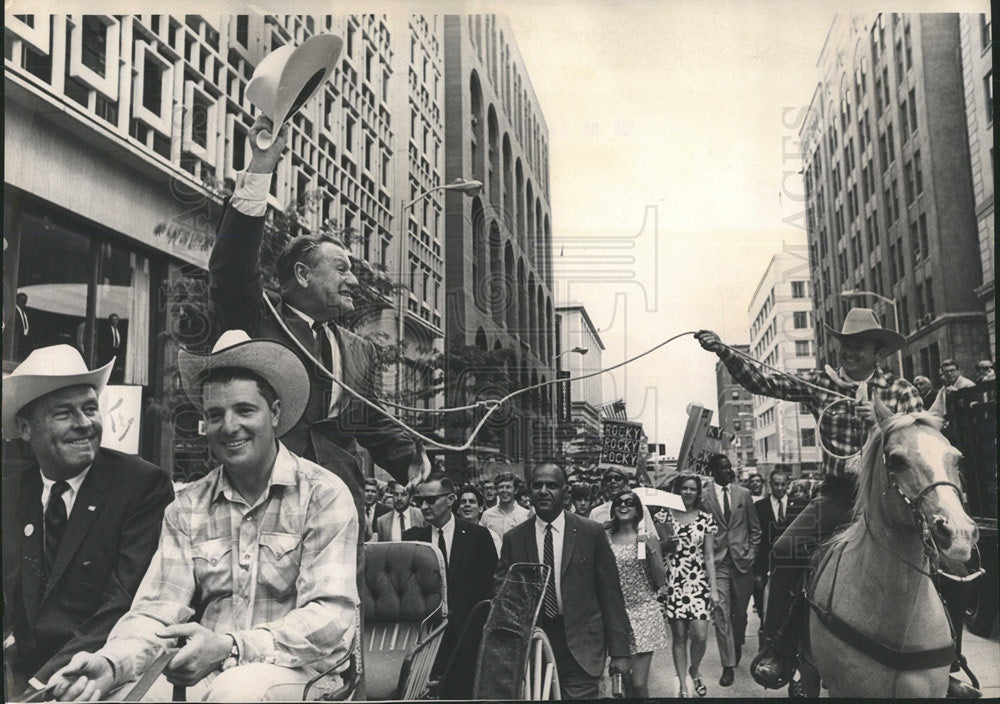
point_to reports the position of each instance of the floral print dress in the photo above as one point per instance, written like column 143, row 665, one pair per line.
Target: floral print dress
column 687, row 594
column 648, row 630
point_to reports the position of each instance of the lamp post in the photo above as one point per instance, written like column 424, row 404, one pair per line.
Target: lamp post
column 467, row 188
column 895, row 314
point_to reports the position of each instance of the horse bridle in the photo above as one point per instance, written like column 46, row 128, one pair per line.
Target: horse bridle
column 931, row 550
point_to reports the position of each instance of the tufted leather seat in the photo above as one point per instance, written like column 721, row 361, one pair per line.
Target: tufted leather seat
column 406, row 604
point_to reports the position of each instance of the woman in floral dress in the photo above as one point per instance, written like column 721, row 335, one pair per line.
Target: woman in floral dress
column 691, row 593
column 641, row 570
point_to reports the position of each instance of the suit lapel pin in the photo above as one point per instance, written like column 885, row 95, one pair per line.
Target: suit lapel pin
column 29, row 530
column 91, row 508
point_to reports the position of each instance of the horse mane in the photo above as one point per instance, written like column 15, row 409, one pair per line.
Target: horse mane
column 871, row 469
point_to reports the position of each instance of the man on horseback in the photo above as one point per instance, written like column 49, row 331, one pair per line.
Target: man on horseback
column 844, row 425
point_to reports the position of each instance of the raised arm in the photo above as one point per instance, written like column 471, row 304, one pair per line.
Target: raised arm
column 751, row 378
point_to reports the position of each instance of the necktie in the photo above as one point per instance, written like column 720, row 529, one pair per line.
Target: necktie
column 442, row 546
column 781, row 510
column 55, row 523
column 727, row 511
column 402, row 522
column 323, row 340
column 24, row 320
column 115, row 340
column 549, row 556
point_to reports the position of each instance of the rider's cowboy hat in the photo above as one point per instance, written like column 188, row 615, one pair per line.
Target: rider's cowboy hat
column 289, row 76
column 45, row 370
column 268, row 359
column 861, row 324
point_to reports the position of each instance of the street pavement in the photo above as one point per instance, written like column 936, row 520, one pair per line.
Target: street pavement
column 983, row 655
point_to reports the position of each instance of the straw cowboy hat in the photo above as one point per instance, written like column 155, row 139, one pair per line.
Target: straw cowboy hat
column 269, row 359
column 289, row 76
column 862, row 324
column 45, row 370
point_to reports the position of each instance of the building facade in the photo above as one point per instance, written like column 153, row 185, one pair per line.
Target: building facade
column 977, row 72
column 577, row 332
column 781, row 334
column 890, row 202
column 124, row 134
column 498, row 264
column 735, row 416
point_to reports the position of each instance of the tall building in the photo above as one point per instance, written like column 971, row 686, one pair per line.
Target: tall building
column 123, row 135
column 577, row 332
column 890, row 202
column 498, row 266
column 735, row 416
column 977, row 72
column 781, row 334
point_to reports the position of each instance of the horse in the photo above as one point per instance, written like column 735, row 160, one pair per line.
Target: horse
column 877, row 627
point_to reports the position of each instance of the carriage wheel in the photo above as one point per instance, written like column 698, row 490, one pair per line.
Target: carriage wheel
column 541, row 679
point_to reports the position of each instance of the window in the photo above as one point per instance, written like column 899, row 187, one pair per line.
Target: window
column 94, row 53
column 153, row 88
column 800, row 319
column 907, row 46
column 349, row 134
column 243, row 30
column 988, row 90
column 808, row 437
column 904, row 316
column 798, row 289
column 199, row 123
column 912, row 104
column 908, row 182
column 890, row 143
column 985, row 28
column 802, row 348
column 904, row 131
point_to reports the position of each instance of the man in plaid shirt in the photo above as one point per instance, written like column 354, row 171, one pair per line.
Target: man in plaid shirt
column 261, row 550
column 844, row 424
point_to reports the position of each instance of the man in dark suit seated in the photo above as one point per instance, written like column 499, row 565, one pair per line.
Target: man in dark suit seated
column 583, row 612
column 80, row 523
column 773, row 514
column 471, row 558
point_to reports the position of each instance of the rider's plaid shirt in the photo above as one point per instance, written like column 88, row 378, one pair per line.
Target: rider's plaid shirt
column 841, row 432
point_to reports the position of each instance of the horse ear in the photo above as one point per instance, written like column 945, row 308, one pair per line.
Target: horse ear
column 882, row 413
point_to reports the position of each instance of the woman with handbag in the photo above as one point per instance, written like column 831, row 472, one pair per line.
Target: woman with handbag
column 691, row 592
column 642, row 573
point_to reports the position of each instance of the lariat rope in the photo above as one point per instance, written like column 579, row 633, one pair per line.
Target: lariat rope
column 493, row 404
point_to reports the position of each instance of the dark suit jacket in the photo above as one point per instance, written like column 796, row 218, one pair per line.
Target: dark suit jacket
column 236, row 289
column 770, row 530
column 110, row 538
column 471, row 565
column 379, row 510
column 105, row 340
column 593, row 608
column 739, row 536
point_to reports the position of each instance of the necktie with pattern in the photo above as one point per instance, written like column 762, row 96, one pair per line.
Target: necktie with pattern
column 551, row 603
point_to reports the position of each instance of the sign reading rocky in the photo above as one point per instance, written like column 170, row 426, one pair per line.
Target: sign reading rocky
column 620, row 442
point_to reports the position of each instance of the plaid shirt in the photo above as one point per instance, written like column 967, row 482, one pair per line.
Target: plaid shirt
column 841, row 432
column 278, row 576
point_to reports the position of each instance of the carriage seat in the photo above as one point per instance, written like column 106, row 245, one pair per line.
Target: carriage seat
column 405, row 613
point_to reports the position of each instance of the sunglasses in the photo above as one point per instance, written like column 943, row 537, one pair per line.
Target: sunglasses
column 628, row 502
column 419, row 501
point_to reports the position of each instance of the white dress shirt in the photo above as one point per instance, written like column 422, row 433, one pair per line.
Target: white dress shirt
column 501, row 521
column 779, row 506
column 719, row 496
column 558, row 533
column 250, row 195
column 68, row 496
column 335, row 390
column 449, row 536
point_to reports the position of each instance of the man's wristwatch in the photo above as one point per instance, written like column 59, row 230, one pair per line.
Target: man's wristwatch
column 234, row 655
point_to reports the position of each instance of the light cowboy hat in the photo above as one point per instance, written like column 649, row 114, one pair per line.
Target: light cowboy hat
column 862, row 324
column 269, row 359
column 45, row 370
column 289, row 76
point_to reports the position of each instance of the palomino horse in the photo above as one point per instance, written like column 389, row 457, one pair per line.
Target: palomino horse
column 878, row 628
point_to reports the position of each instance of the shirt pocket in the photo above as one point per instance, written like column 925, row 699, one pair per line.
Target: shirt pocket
column 213, row 570
column 278, row 562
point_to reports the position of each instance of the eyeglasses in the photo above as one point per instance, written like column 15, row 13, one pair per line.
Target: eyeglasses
column 628, row 502
column 419, row 501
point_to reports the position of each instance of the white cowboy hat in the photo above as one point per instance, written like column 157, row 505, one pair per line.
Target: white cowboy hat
column 289, row 76
column 45, row 370
column 269, row 359
column 862, row 323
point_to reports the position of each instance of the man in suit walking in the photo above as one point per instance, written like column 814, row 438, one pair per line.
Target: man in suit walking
column 80, row 523
column 583, row 612
column 112, row 335
column 402, row 517
column 374, row 509
column 22, row 327
column 471, row 559
column 735, row 548
column 773, row 514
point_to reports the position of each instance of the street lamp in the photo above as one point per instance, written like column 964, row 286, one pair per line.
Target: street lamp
column 460, row 185
column 855, row 293
column 579, row 350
